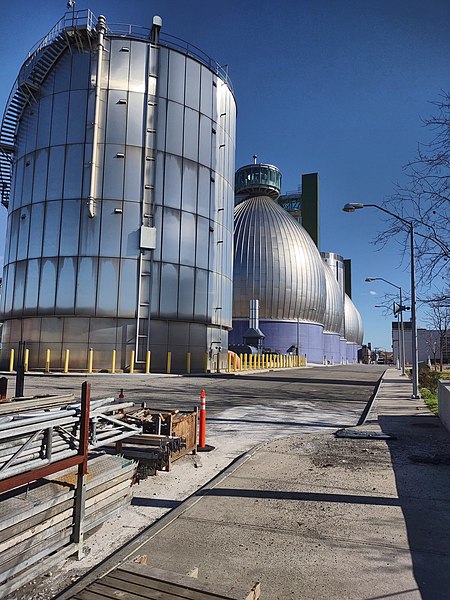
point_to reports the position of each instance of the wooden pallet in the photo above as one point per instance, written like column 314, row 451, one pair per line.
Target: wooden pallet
column 132, row 581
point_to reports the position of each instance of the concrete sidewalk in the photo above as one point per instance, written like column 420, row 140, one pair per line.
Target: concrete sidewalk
column 317, row 516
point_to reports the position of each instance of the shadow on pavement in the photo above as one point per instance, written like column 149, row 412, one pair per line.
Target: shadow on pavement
column 282, row 423
column 420, row 458
column 300, row 496
column 154, row 502
column 267, row 377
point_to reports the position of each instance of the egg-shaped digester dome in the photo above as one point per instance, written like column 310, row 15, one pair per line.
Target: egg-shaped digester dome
column 276, row 262
column 334, row 311
column 354, row 332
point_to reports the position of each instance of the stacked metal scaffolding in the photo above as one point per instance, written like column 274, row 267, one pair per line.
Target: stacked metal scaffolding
column 53, row 489
column 32, row 437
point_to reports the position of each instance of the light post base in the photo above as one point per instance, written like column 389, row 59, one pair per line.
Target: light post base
column 418, row 397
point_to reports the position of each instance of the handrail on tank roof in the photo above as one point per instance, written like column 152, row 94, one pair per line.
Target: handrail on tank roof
column 171, row 41
column 297, row 192
column 80, row 18
column 255, row 165
column 85, row 18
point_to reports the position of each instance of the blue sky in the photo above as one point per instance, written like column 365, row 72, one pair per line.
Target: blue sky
column 337, row 87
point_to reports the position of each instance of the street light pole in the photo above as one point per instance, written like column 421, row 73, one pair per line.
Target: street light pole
column 415, row 356
column 400, row 328
column 351, row 207
column 402, row 333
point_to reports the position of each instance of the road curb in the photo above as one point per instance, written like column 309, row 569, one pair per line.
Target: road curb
column 368, row 408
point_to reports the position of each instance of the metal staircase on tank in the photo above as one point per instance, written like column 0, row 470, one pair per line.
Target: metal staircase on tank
column 74, row 29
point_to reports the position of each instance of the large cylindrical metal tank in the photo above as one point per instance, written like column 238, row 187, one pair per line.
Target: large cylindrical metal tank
column 354, row 332
column 120, row 219
column 333, row 320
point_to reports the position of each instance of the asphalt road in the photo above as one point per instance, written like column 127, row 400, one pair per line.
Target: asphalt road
column 262, row 402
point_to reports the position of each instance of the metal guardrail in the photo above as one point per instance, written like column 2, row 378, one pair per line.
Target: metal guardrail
column 34, row 438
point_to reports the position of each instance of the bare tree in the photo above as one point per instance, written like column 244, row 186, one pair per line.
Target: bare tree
column 439, row 320
column 432, row 345
column 425, row 200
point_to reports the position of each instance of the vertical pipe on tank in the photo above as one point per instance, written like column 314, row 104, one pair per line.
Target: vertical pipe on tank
column 101, row 30
column 254, row 314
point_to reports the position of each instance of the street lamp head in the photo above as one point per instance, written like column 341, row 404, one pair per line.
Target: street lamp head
column 352, row 206
column 371, row 278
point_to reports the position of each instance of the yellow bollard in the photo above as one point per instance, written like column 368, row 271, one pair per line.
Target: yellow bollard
column 229, row 363
column 113, row 362
column 132, row 355
column 148, row 357
column 188, row 362
column 11, row 361
column 259, row 361
column 26, row 359
column 90, row 359
column 235, row 363
column 47, row 361
column 66, row 361
column 245, row 362
column 241, row 361
column 169, row 362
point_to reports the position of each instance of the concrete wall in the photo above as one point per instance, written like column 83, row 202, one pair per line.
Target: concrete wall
column 444, row 403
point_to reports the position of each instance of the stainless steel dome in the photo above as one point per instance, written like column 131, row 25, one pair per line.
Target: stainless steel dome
column 354, row 332
column 334, row 312
column 276, row 262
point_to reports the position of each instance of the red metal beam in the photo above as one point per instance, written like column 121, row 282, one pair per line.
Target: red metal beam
column 24, row 478
column 84, row 426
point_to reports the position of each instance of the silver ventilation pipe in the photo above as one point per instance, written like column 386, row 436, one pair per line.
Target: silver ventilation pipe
column 156, row 27
column 101, row 30
column 254, row 314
